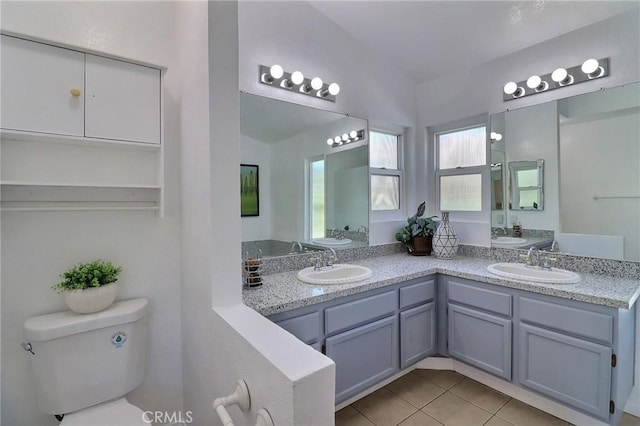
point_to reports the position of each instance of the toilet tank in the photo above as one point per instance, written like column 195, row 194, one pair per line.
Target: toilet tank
column 80, row 360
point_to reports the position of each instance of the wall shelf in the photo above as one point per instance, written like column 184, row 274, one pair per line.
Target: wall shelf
column 23, row 136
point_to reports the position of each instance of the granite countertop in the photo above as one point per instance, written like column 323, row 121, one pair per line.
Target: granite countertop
column 283, row 292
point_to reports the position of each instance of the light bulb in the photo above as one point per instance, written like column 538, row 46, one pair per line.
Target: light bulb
column 330, row 141
column 353, row 134
column 493, row 135
column 510, row 88
column 559, row 74
column 590, row 66
column 345, row 137
column 316, row 83
column 334, row 89
column 337, row 139
column 297, row 77
column 534, row 81
column 498, row 136
column 276, row 71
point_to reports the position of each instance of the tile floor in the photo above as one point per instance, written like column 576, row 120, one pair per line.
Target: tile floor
column 443, row 397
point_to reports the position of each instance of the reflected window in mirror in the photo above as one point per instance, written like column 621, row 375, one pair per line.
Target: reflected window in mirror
column 386, row 173
column 461, row 155
column 316, row 197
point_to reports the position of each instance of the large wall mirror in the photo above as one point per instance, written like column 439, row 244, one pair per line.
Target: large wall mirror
column 590, row 147
column 312, row 195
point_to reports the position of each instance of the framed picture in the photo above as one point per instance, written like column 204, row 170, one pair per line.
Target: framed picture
column 249, row 200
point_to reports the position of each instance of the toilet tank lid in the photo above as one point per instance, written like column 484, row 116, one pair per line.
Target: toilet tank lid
column 61, row 324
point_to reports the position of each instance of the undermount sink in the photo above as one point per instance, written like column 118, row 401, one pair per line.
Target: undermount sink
column 336, row 274
column 332, row 241
column 521, row 271
column 509, row 241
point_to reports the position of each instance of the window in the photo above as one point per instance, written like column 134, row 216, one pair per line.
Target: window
column 461, row 155
column 386, row 174
column 316, row 198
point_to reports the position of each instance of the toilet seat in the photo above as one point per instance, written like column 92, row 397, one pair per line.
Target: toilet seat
column 114, row 413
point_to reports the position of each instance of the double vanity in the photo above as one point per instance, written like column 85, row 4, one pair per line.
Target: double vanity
column 571, row 342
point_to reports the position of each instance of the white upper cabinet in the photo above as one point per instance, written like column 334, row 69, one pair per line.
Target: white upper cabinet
column 48, row 89
column 123, row 100
column 42, row 88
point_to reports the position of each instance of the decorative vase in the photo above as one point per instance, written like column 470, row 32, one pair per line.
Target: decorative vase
column 421, row 246
column 91, row 300
column 445, row 240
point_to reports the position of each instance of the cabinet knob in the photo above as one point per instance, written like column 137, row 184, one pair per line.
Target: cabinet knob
column 75, row 92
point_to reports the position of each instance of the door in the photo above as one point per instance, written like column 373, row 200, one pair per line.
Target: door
column 123, row 101
column 574, row 371
column 480, row 339
column 42, row 88
column 417, row 334
column 364, row 356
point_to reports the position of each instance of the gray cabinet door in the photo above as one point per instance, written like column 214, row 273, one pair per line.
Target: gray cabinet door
column 480, row 339
column 417, row 334
column 571, row 370
column 364, row 356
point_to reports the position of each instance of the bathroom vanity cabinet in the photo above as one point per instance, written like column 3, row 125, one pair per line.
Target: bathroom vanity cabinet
column 577, row 353
column 372, row 335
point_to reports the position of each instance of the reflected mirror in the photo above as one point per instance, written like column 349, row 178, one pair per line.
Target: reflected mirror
column 590, row 145
column 312, row 195
column 525, row 185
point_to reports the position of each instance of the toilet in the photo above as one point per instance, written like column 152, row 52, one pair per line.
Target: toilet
column 84, row 364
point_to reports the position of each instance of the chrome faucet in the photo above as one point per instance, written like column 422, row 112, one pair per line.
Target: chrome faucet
column 330, row 256
column 555, row 247
column 298, row 245
column 533, row 256
column 495, row 230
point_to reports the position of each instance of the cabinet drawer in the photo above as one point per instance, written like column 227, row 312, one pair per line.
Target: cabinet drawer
column 584, row 323
column 415, row 294
column 360, row 311
column 489, row 300
column 304, row 327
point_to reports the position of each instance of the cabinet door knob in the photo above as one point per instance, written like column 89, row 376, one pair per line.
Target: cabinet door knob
column 75, row 92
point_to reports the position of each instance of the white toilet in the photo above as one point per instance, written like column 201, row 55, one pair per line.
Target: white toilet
column 84, row 364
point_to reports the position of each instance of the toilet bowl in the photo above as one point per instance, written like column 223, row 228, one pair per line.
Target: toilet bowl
column 114, row 413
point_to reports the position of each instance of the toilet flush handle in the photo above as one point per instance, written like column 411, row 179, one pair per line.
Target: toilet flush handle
column 27, row 347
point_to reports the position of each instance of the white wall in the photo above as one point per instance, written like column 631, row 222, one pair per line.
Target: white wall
column 38, row 246
column 230, row 341
column 474, row 91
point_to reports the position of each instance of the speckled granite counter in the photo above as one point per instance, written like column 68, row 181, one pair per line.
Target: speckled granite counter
column 283, row 292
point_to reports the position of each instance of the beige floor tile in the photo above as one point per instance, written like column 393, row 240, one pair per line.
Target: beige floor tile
column 349, row 416
column 415, row 389
column 420, row 419
column 481, row 395
column 521, row 414
column 384, row 408
column 629, row 420
column 443, row 378
column 497, row 421
column 452, row 410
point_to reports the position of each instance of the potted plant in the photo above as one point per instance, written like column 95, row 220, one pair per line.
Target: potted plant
column 417, row 234
column 89, row 287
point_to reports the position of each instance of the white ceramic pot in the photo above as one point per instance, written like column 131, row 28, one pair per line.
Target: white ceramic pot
column 91, row 300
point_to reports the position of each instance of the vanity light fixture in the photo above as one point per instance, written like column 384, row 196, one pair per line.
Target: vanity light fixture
column 495, row 136
column 345, row 138
column 590, row 69
column 276, row 76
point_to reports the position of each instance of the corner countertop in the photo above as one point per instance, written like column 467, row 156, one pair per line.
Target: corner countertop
column 283, row 292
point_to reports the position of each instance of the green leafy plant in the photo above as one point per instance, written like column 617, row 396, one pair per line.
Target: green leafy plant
column 417, row 226
column 87, row 275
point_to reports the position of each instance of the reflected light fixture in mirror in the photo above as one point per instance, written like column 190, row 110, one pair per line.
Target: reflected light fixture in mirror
column 276, row 76
column 589, row 70
column 345, row 138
